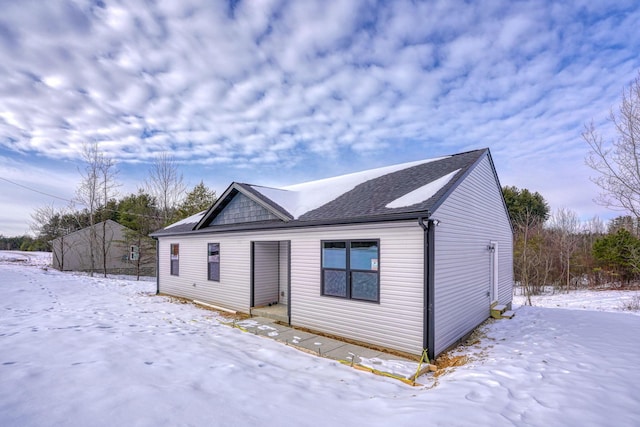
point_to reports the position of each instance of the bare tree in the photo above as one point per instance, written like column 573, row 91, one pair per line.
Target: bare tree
column 595, row 226
column 88, row 193
column 532, row 259
column 96, row 187
column 565, row 230
column 165, row 183
column 108, row 172
column 52, row 225
column 617, row 161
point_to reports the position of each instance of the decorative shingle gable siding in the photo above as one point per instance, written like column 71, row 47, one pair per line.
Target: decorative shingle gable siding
column 242, row 209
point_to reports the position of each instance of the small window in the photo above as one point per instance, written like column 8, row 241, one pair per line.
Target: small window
column 213, row 260
column 134, row 253
column 175, row 259
column 350, row 269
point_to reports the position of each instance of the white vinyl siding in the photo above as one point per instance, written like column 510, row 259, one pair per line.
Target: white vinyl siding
column 232, row 291
column 396, row 322
column 470, row 219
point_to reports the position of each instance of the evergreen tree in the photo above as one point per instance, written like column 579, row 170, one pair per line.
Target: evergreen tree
column 200, row 198
column 620, row 253
column 139, row 213
column 525, row 208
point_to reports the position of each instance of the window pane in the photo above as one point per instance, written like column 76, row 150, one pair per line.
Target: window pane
column 334, row 255
column 214, row 252
column 214, row 249
column 174, row 249
column 213, row 258
column 335, row 283
column 364, row 286
column 214, row 271
column 364, row 255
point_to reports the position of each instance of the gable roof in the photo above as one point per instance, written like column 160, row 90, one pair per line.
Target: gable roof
column 109, row 222
column 405, row 190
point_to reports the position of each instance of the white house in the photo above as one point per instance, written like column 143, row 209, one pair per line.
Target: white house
column 406, row 257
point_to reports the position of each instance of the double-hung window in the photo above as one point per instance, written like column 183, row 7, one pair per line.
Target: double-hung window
column 350, row 269
column 213, row 254
column 175, row 259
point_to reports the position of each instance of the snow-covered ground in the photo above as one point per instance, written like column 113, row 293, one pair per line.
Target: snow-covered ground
column 598, row 300
column 81, row 351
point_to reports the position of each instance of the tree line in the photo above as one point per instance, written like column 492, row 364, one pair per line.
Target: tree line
column 557, row 250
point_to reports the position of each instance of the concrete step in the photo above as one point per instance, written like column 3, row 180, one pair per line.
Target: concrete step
column 508, row 314
column 276, row 312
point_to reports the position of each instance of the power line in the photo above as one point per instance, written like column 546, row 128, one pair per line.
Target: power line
column 34, row 190
column 71, row 201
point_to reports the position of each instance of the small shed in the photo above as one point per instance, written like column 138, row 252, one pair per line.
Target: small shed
column 72, row 251
column 407, row 257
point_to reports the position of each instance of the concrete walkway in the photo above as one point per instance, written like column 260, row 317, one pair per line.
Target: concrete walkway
column 316, row 344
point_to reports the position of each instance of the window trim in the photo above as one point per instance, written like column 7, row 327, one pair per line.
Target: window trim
column 174, row 271
column 348, row 270
column 213, row 262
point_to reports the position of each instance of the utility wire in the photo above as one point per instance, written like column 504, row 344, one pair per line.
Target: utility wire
column 34, row 190
column 71, row 201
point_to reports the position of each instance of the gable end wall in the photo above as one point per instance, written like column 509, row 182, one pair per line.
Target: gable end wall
column 470, row 218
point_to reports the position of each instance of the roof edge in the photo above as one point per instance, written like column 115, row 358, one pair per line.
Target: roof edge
column 249, row 226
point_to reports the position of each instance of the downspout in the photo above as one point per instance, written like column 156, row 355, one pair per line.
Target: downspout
column 289, row 282
column 252, row 276
column 157, row 266
column 428, row 319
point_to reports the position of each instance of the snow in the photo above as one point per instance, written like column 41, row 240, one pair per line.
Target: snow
column 77, row 351
column 597, row 300
column 188, row 220
column 423, row 193
column 299, row 199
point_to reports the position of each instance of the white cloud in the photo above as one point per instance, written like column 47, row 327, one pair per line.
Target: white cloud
column 292, row 84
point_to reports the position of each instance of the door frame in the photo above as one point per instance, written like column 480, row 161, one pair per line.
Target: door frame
column 288, row 267
column 495, row 269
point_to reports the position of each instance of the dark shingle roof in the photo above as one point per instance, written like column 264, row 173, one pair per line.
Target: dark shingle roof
column 369, row 197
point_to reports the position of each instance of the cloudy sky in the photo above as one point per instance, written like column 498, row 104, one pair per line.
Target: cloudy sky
column 278, row 92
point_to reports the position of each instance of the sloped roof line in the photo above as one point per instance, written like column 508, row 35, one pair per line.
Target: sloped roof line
column 108, row 221
column 365, row 194
column 301, row 198
column 188, row 220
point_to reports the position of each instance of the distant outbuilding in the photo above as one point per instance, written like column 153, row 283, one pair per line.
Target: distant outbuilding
column 72, row 251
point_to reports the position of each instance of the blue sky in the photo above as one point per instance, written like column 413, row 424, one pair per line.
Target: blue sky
column 279, row 92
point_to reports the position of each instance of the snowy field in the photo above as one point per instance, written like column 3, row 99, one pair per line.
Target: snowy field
column 80, row 351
